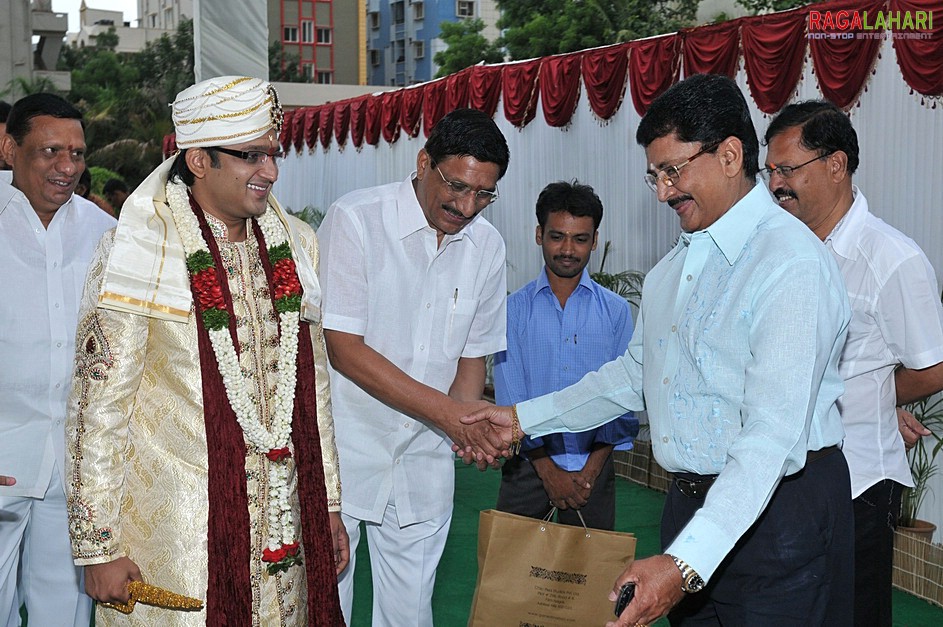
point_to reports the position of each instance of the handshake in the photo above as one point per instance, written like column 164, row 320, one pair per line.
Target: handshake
column 485, row 434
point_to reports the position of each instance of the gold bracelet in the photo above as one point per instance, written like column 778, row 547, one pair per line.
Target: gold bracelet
column 515, row 432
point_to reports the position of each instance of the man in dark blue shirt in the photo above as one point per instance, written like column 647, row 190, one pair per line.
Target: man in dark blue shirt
column 561, row 326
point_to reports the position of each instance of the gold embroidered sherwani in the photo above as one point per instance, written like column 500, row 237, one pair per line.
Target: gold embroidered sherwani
column 138, row 450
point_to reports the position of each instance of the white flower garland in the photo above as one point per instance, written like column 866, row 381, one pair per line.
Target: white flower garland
column 281, row 526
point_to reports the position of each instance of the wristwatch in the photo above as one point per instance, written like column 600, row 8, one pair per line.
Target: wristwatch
column 691, row 582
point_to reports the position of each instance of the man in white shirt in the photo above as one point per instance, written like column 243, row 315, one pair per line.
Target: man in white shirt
column 894, row 352
column 47, row 237
column 414, row 299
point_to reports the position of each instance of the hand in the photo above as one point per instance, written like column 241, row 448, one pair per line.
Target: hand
column 474, row 442
column 910, row 428
column 657, row 590
column 566, row 490
column 499, row 417
column 5, row 480
column 108, row 582
column 341, row 542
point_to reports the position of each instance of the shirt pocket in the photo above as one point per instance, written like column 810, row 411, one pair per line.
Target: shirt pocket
column 458, row 322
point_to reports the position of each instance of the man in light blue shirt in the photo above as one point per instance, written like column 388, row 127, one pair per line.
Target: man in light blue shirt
column 735, row 357
column 561, row 326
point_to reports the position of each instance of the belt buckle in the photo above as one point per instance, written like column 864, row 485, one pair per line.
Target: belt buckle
column 693, row 489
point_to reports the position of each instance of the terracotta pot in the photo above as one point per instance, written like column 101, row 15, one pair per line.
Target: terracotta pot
column 920, row 528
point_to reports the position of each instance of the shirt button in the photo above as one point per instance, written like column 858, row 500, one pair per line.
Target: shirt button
column 55, row 264
column 690, row 277
column 58, row 385
column 665, row 381
column 665, row 439
column 58, row 344
column 674, row 328
column 397, row 462
column 428, row 305
column 406, row 425
column 57, row 305
column 422, row 347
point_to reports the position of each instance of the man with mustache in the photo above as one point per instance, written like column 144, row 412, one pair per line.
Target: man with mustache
column 561, row 326
column 735, row 357
column 47, row 240
column 894, row 352
column 414, row 299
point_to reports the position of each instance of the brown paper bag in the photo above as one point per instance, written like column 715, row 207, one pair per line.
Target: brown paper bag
column 541, row 574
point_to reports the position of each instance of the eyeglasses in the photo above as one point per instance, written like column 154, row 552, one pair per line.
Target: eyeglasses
column 670, row 175
column 786, row 171
column 252, row 157
column 461, row 190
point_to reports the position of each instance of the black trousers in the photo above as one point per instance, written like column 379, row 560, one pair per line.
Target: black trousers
column 522, row 492
column 794, row 566
column 876, row 512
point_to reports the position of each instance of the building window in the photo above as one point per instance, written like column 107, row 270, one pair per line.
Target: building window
column 419, row 49
column 308, row 70
column 307, row 32
column 374, row 18
column 291, row 34
column 465, row 8
column 325, row 78
column 169, row 17
column 419, row 10
column 399, row 48
column 153, row 20
column 324, row 35
column 375, row 58
column 399, row 13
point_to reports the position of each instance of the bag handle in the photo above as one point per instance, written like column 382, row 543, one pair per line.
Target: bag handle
column 548, row 517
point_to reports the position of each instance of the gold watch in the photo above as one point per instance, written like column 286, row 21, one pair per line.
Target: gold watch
column 691, row 582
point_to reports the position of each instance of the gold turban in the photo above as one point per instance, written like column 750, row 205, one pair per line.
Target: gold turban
column 224, row 111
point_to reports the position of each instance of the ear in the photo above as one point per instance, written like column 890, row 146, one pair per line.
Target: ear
column 837, row 166
column 730, row 154
column 595, row 240
column 7, row 148
column 198, row 160
column 423, row 163
column 539, row 235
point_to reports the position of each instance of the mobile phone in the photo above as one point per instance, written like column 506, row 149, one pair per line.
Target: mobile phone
column 626, row 593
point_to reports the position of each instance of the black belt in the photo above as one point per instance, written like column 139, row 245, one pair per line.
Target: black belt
column 696, row 486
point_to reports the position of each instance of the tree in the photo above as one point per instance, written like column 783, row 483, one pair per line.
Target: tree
column 466, row 47
column 283, row 65
column 765, row 6
column 535, row 28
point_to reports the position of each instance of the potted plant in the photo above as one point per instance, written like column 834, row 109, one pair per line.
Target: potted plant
column 922, row 458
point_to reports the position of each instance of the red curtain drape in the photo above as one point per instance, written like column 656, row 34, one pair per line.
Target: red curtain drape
column 341, row 122
column 921, row 60
column 711, row 49
column 433, row 104
column 560, row 88
column 326, row 125
column 773, row 51
column 843, row 65
column 654, row 65
column 604, row 73
column 456, row 92
column 484, row 87
column 373, row 121
column 309, row 128
column 519, row 91
column 358, row 117
column 284, row 138
column 389, row 114
column 410, row 113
